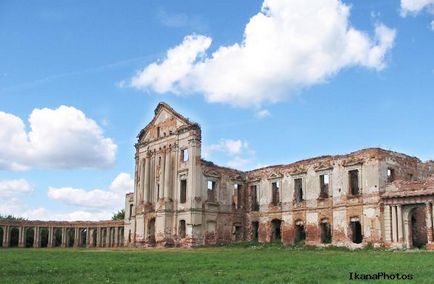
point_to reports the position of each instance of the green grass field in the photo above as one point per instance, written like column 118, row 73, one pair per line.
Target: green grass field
column 246, row 264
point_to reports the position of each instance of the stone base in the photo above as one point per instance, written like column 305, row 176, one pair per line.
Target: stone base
column 430, row 246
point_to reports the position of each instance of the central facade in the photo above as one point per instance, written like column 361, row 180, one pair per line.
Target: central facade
column 371, row 196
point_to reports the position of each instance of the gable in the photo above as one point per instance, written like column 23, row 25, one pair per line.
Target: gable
column 165, row 122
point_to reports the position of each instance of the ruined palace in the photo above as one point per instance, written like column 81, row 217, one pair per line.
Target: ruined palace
column 368, row 197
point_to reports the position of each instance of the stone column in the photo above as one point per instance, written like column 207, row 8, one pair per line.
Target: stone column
column 5, row 243
column 64, row 238
column 76, row 235
column 146, row 178
column 98, row 237
column 429, row 224
column 394, row 231
column 387, row 224
column 140, row 173
column 90, row 240
column 50, row 237
column 21, row 234
column 162, row 175
column 36, row 242
column 167, row 174
column 107, row 237
column 87, row 238
column 116, row 237
column 400, row 228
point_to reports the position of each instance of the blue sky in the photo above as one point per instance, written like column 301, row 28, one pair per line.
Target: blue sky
column 290, row 86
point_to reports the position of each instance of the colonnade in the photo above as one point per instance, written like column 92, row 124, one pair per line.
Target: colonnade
column 397, row 221
column 62, row 234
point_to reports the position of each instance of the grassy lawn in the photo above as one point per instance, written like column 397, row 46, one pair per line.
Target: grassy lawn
column 249, row 264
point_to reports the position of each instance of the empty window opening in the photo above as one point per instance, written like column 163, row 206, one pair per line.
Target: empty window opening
column 276, row 235
column 275, row 186
column 298, row 189
column 211, row 190
column 184, row 155
column 158, row 191
column 409, row 176
column 356, row 232
column 238, row 232
column 390, row 175
column 158, row 132
column 300, row 233
column 182, row 229
column 255, row 231
column 354, row 182
column 237, row 196
column 324, row 181
column 131, row 211
column 43, row 237
column 183, row 191
column 254, row 193
column 326, row 233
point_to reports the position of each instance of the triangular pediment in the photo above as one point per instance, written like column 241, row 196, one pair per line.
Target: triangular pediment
column 165, row 122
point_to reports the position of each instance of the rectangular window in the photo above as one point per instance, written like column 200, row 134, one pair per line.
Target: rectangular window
column 237, row 196
column 158, row 132
column 324, row 181
column 254, row 194
column 390, row 175
column 211, row 190
column 183, row 191
column 184, row 155
column 298, row 189
column 275, row 193
column 131, row 211
column 354, row 182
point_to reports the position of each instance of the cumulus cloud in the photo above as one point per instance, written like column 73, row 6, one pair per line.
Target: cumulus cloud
column 228, row 146
column 10, row 188
column 58, row 138
column 288, row 45
column 415, row 6
column 112, row 198
column 263, row 113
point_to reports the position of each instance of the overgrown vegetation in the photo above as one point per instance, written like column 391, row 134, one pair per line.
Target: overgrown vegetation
column 120, row 215
column 11, row 218
column 252, row 263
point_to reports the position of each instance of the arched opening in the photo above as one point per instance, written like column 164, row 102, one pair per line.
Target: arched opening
column 14, row 236
column 300, row 233
column 83, row 237
column 255, row 231
column 151, row 231
column 43, row 237
column 57, row 237
column 1, row 236
column 356, row 230
column 326, row 232
column 182, row 229
column 70, row 233
column 94, row 237
column 276, row 234
column 29, row 235
column 418, row 227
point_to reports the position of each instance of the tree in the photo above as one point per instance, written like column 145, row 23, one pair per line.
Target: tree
column 120, row 215
column 11, row 218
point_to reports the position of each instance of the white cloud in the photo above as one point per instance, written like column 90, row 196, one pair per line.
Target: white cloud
column 281, row 51
column 10, row 188
column 180, row 20
column 236, row 153
column 415, row 6
column 165, row 76
column 228, row 146
column 432, row 25
column 263, row 113
column 96, row 198
column 58, row 138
